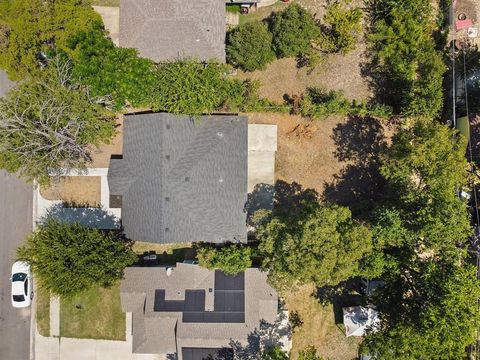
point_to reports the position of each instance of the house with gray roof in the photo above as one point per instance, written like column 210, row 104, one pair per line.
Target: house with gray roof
column 181, row 179
column 189, row 312
column 170, row 29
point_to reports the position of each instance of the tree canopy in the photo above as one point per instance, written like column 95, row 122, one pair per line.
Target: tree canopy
column 48, row 125
column 249, row 46
column 231, row 258
column 70, row 258
column 407, row 68
column 28, row 27
column 323, row 247
column 109, row 70
column 428, row 311
column 424, row 167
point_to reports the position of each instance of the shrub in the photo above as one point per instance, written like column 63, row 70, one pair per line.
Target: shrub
column 110, row 70
column 189, row 87
column 231, row 259
column 293, row 31
column 318, row 104
column 341, row 28
column 249, row 46
column 71, row 258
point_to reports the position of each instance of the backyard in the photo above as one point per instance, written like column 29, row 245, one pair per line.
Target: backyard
column 321, row 326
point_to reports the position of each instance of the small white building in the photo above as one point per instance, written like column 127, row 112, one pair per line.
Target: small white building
column 358, row 318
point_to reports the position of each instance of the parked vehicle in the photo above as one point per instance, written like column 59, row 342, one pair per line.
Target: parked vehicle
column 22, row 293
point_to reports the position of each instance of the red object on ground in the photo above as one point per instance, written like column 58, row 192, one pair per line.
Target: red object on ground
column 463, row 24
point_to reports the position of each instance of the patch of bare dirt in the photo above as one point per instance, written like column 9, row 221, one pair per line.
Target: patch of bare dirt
column 101, row 155
column 78, row 190
column 337, row 157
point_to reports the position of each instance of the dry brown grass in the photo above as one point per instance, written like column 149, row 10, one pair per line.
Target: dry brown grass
column 82, row 190
column 101, row 155
column 318, row 328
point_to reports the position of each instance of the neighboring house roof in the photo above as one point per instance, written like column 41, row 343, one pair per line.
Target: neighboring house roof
column 180, row 180
column 166, row 308
column 169, row 29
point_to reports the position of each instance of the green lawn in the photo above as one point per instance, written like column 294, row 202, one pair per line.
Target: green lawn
column 42, row 299
column 95, row 314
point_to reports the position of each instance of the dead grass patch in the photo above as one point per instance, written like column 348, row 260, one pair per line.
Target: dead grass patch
column 84, row 190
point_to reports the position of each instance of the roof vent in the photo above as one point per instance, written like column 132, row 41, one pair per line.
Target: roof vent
column 167, row 229
column 220, row 134
column 167, row 157
column 168, row 126
column 167, row 198
column 220, row 180
column 169, row 271
column 187, row 179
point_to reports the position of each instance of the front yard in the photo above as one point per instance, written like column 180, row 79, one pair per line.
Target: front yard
column 95, row 314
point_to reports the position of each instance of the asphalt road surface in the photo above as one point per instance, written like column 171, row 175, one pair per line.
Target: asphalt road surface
column 15, row 223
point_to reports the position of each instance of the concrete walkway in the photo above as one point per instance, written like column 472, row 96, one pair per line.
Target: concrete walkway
column 102, row 218
column 61, row 348
column 54, row 316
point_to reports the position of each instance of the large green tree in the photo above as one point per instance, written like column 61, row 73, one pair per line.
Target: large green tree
column 407, row 68
column 111, row 71
column 424, row 167
column 428, row 311
column 28, row 27
column 70, row 258
column 249, row 46
column 48, row 126
column 294, row 30
column 325, row 246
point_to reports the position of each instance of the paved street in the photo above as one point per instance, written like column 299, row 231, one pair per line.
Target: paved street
column 15, row 224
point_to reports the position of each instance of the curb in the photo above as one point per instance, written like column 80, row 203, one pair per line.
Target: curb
column 33, row 313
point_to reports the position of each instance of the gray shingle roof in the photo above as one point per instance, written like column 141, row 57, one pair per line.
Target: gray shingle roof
column 140, row 283
column 182, row 181
column 169, row 29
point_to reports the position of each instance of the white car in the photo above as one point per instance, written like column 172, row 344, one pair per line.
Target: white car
column 22, row 293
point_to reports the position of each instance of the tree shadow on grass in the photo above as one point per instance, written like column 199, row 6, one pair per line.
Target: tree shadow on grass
column 359, row 143
column 340, row 296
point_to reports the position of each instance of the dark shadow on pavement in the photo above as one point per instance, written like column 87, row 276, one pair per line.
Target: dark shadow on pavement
column 90, row 217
